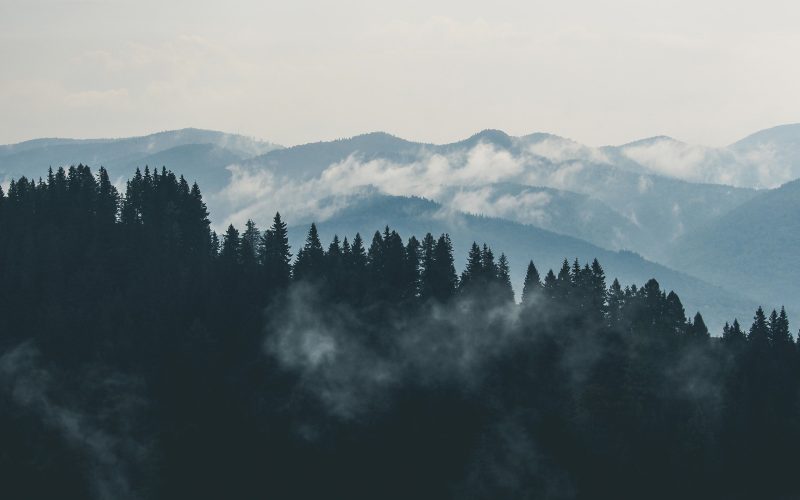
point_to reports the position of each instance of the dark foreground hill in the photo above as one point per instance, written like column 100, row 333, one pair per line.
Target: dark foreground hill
column 144, row 356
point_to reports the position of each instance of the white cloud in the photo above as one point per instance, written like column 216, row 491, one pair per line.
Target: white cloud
column 458, row 181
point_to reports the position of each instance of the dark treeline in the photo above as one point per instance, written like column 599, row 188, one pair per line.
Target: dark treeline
column 144, row 356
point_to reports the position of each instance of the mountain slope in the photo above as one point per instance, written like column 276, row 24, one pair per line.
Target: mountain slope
column 118, row 155
column 750, row 248
column 657, row 209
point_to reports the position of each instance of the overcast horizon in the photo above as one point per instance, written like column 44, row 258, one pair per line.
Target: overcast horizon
column 599, row 73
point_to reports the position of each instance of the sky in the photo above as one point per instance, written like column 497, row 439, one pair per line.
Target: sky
column 291, row 72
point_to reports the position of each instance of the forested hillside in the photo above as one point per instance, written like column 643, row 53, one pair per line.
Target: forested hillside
column 144, row 356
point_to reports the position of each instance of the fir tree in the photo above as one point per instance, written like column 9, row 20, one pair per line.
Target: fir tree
column 473, row 272
column 532, row 288
column 699, row 330
column 249, row 246
column 230, row 252
column 759, row 331
column 506, row 292
column 310, row 262
column 275, row 254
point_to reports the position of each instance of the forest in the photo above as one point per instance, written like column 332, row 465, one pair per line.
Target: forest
column 142, row 355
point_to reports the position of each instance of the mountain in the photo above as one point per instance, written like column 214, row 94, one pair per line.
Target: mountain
column 122, row 156
column 765, row 159
column 774, row 151
column 640, row 210
column 311, row 159
column 749, row 249
column 563, row 212
column 666, row 200
column 368, row 212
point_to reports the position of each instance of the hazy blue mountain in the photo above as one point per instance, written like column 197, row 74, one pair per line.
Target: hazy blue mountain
column 765, row 159
column 657, row 209
column 308, row 160
column 775, row 149
column 563, row 212
column 520, row 242
column 202, row 162
column 120, row 156
column 637, row 196
column 751, row 248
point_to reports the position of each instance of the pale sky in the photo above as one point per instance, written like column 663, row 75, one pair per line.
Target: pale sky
column 295, row 71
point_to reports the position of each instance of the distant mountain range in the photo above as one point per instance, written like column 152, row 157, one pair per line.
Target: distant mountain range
column 191, row 151
column 713, row 215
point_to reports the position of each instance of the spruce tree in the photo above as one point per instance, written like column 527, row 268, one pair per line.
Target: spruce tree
column 230, row 253
column 275, row 254
column 551, row 286
column 488, row 273
column 413, row 266
column 428, row 265
column 532, row 287
column 759, row 331
column 107, row 198
column 249, row 246
column 699, row 329
column 780, row 336
column 506, row 291
column 597, row 278
column 674, row 315
column 563, row 282
column 310, row 262
column 473, row 272
column 616, row 301
column 443, row 280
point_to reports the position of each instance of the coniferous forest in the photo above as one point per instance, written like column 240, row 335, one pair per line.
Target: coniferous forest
column 144, row 356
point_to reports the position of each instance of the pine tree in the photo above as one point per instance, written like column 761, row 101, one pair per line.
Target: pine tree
column 699, row 330
column 275, row 254
column 488, row 272
column 506, row 291
column 551, row 286
column 310, row 264
column 249, row 246
column 563, row 282
column 230, row 253
column 428, row 265
column 355, row 264
column 532, row 288
column 759, row 331
column 675, row 316
column 443, row 280
column 214, row 245
column 107, row 198
column 736, row 330
column 359, row 255
column 780, row 337
column 413, row 266
column 597, row 279
column 473, row 272
column 335, row 269
column 394, row 266
column 616, row 301
column 376, row 282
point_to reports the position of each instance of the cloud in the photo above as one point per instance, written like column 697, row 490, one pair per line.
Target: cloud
column 259, row 192
column 334, row 350
column 759, row 166
column 529, row 206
